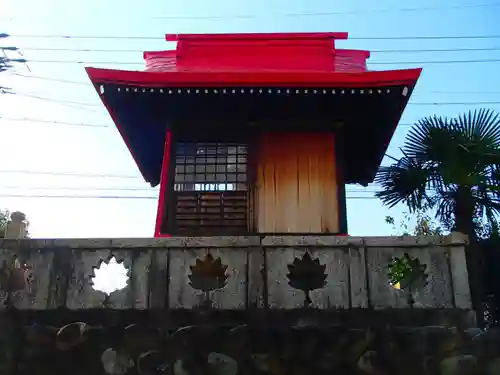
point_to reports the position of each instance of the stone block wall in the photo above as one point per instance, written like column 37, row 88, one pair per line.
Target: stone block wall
column 232, row 273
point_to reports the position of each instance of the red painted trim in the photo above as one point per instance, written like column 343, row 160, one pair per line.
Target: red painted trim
column 118, row 126
column 149, row 54
column 353, row 52
column 251, row 78
column 163, row 185
column 255, row 36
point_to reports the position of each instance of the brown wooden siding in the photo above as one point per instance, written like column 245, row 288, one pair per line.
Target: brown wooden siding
column 296, row 187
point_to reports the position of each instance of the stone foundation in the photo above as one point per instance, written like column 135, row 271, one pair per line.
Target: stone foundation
column 205, row 348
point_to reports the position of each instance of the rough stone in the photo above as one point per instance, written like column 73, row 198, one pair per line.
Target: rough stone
column 119, row 348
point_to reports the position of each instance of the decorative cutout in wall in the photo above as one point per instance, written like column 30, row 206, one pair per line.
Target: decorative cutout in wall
column 208, row 274
column 14, row 275
column 306, row 274
column 110, row 277
column 408, row 275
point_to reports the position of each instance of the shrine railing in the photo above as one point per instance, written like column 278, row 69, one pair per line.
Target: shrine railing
column 231, row 273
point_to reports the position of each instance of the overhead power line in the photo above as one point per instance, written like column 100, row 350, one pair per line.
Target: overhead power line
column 105, row 196
column 28, row 119
column 88, row 84
column 57, row 122
column 324, row 14
column 466, row 92
column 80, row 188
column 72, row 174
column 121, row 188
column 75, row 196
column 373, row 51
column 427, row 37
column 433, row 62
column 73, row 103
column 81, row 49
column 54, row 79
column 136, row 37
column 98, row 175
column 456, row 103
column 434, row 50
column 369, row 62
column 65, row 102
column 56, row 100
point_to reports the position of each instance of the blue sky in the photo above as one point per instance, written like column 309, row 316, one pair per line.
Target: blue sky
column 63, row 148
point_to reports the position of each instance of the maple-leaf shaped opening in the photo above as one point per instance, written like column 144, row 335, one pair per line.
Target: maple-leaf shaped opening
column 110, row 277
column 306, row 274
column 208, row 274
column 14, row 275
column 407, row 273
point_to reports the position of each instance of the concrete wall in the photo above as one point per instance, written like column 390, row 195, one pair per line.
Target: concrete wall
column 230, row 273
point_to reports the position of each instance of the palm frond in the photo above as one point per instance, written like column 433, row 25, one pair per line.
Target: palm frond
column 443, row 157
column 446, row 206
column 481, row 126
column 404, row 181
column 417, row 140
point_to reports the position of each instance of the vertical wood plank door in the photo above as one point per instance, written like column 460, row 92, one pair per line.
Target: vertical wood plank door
column 296, row 186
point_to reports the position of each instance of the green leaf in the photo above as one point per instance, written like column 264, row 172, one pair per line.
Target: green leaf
column 451, row 165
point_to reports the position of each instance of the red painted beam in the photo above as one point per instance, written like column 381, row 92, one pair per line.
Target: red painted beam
column 255, row 79
column 255, row 36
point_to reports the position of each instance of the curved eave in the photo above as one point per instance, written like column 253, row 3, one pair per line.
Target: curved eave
column 146, row 147
column 249, row 78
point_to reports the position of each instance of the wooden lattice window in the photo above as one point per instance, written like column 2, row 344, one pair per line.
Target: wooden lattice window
column 211, row 188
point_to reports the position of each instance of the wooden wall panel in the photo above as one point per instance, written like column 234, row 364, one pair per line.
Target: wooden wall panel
column 296, row 187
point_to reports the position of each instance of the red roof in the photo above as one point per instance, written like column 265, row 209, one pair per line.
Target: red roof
column 299, row 59
column 281, row 60
column 281, row 52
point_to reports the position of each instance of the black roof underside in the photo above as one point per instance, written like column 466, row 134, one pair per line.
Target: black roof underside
column 366, row 118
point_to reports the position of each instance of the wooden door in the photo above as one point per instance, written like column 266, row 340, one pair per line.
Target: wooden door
column 296, row 186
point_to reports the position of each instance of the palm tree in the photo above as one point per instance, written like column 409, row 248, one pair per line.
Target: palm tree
column 451, row 166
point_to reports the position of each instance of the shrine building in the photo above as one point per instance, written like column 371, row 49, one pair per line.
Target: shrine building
column 255, row 133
